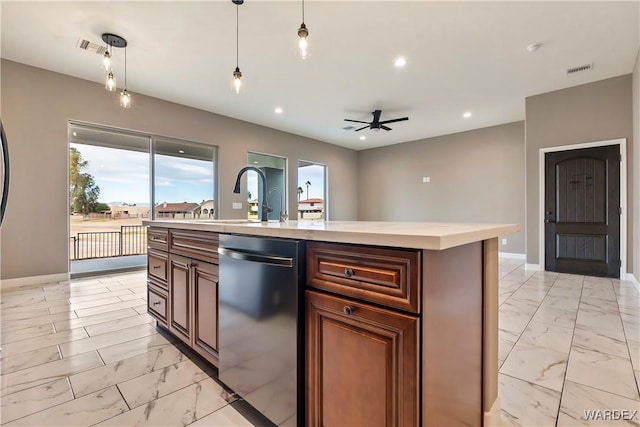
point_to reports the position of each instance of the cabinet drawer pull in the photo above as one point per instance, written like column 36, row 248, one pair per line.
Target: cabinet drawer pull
column 348, row 310
column 348, row 272
column 155, row 266
column 156, row 303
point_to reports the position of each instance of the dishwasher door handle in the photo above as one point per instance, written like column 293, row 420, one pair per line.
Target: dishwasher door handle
column 253, row 257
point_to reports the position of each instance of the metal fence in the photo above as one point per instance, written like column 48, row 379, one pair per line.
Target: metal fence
column 130, row 240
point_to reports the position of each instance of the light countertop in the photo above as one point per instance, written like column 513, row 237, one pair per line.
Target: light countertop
column 416, row 235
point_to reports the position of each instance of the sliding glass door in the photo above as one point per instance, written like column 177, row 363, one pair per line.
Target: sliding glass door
column 183, row 180
column 312, row 191
column 119, row 178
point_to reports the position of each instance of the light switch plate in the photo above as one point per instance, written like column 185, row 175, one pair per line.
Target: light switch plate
column 237, row 205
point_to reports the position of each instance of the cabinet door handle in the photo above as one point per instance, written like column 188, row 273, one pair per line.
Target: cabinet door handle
column 156, row 303
column 155, row 266
column 348, row 272
column 348, row 310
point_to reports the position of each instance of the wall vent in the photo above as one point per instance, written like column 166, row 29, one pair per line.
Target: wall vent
column 348, row 127
column 85, row 44
column 579, row 69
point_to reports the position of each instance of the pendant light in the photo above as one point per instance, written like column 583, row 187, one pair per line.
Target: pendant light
column 106, row 59
column 303, row 33
column 125, row 97
column 112, row 40
column 237, row 74
column 110, row 82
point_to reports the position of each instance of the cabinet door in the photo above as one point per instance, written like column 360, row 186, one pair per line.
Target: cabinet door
column 362, row 364
column 205, row 312
column 180, row 297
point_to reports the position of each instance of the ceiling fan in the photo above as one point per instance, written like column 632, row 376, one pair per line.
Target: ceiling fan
column 376, row 124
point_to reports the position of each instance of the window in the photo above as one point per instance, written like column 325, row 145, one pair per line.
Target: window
column 312, row 195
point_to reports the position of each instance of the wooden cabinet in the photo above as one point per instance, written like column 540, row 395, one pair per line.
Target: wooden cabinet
column 205, row 312
column 362, row 364
column 361, row 359
column 183, row 287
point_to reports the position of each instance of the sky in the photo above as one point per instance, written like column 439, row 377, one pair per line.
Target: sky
column 123, row 176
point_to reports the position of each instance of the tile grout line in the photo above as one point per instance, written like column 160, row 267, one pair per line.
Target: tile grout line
column 575, row 324
column 626, row 341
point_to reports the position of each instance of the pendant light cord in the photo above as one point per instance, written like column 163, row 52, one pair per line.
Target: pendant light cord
column 237, row 32
column 125, row 68
column 303, row 11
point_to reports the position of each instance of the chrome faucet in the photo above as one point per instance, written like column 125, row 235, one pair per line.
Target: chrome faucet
column 264, row 216
column 283, row 212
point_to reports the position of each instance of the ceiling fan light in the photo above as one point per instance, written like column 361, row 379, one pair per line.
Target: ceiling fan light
column 110, row 82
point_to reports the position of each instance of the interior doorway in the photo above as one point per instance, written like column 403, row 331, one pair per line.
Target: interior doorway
column 582, row 211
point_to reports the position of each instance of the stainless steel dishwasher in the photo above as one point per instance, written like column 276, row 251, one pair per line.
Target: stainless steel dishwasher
column 260, row 324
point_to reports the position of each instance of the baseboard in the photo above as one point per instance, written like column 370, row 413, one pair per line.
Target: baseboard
column 21, row 282
column 631, row 278
column 511, row 255
column 492, row 417
column 535, row 267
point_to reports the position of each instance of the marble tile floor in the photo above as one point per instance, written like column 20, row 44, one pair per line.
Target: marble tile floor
column 84, row 352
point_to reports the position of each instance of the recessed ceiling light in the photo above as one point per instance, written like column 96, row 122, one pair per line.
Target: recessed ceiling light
column 363, row 137
column 255, row 162
column 181, row 151
column 74, row 133
column 400, row 62
column 278, row 110
column 467, row 115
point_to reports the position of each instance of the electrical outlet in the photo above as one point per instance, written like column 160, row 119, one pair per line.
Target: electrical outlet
column 504, row 241
column 426, row 179
column 237, row 205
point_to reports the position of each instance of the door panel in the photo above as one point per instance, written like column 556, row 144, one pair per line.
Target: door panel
column 582, row 211
column 180, row 298
column 205, row 325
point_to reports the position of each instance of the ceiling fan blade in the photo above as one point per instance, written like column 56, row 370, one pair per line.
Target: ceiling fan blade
column 394, row 120
column 363, row 127
column 384, row 127
column 376, row 116
column 355, row 121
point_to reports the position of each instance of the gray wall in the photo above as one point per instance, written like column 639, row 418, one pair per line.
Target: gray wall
column 476, row 176
column 596, row 111
column 636, row 169
column 36, row 106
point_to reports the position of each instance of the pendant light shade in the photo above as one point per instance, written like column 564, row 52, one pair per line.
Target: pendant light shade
column 106, row 59
column 125, row 99
column 110, row 82
column 237, row 80
column 303, row 34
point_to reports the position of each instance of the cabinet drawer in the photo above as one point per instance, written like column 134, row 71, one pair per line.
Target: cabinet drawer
column 157, row 266
column 202, row 245
column 389, row 277
column 157, row 303
column 158, row 238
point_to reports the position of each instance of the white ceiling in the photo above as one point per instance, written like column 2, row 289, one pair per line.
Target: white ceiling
column 462, row 56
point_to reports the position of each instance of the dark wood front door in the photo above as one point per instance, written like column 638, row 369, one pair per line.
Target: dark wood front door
column 582, row 211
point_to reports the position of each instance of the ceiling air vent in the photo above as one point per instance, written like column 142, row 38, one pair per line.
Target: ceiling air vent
column 348, row 127
column 85, row 44
column 579, row 69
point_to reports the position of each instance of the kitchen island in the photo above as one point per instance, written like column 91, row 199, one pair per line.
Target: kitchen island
column 417, row 302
